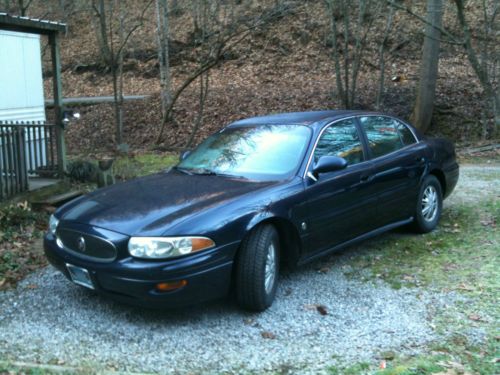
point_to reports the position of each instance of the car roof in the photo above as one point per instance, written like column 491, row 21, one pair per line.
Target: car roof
column 303, row 118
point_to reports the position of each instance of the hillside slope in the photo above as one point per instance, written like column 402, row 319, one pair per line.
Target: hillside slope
column 285, row 66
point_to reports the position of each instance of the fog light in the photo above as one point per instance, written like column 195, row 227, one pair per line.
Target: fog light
column 166, row 287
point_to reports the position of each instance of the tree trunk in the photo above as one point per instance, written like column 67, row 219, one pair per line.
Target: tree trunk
column 383, row 44
column 424, row 104
column 101, row 29
column 163, row 53
column 479, row 68
column 118, row 77
column 335, row 52
column 496, row 110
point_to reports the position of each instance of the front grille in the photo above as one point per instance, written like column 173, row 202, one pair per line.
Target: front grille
column 94, row 247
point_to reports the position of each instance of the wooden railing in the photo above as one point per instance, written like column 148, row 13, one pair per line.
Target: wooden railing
column 27, row 149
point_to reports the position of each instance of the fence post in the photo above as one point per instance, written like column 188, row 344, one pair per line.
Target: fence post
column 57, row 92
column 21, row 156
column 2, row 146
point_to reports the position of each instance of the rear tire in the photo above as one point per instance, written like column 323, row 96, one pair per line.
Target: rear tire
column 257, row 269
column 429, row 205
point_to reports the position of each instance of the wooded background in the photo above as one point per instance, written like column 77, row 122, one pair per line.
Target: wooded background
column 205, row 63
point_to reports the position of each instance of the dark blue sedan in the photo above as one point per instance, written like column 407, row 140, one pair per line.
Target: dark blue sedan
column 262, row 191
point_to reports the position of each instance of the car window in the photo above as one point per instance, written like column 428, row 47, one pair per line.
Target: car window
column 382, row 133
column 340, row 139
column 406, row 134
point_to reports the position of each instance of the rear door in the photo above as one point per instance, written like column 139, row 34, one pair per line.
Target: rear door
column 398, row 164
column 340, row 204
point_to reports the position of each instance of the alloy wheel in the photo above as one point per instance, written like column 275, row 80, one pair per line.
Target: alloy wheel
column 270, row 271
column 429, row 203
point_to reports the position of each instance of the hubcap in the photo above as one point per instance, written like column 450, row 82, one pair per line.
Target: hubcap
column 270, row 274
column 429, row 203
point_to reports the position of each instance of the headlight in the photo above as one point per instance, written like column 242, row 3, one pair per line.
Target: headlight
column 167, row 247
column 53, row 222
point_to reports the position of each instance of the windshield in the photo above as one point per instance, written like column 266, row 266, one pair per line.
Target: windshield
column 257, row 152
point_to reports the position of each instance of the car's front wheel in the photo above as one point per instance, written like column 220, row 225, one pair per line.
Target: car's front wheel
column 429, row 205
column 257, row 269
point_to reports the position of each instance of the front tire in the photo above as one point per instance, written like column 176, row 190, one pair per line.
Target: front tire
column 429, row 205
column 257, row 269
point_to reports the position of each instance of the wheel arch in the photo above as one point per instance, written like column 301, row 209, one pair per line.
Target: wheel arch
column 438, row 173
column 289, row 237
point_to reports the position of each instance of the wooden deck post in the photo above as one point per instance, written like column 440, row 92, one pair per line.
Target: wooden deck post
column 57, row 93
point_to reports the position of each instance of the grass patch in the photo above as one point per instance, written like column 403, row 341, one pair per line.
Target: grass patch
column 414, row 366
column 128, row 167
column 461, row 256
column 38, row 369
column 358, row 368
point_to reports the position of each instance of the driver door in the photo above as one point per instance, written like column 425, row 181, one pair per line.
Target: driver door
column 341, row 204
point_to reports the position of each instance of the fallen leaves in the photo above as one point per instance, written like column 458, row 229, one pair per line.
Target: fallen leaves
column 324, row 269
column 489, row 222
column 321, row 309
column 452, row 368
column 268, row 335
column 476, row 318
column 388, row 355
column 465, row 287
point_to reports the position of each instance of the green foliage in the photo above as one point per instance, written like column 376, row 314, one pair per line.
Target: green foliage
column 19, row 227
column 82, row 170
column 16, row 218
column 128, row 167
column 413, row 366
column 357, row 369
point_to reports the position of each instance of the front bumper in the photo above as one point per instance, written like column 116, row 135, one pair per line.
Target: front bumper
column 134, row 281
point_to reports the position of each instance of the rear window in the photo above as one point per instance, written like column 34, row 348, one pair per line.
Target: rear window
column 383, row 136
column 406, row 134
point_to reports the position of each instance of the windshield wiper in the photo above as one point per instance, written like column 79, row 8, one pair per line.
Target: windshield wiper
column 183, row 170
column 203, row 171
column 210, row 172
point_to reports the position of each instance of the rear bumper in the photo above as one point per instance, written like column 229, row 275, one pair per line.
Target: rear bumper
column 134, row 281
column 451, row 175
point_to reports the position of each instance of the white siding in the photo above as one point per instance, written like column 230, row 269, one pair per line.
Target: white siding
column 21, row 84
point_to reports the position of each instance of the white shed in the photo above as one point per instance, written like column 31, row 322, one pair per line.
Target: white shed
column 29, row 147
column 21, row 83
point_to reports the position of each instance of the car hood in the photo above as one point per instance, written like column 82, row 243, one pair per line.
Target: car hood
column 148, row 206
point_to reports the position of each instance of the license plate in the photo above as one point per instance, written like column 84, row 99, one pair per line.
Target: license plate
column 80, row 276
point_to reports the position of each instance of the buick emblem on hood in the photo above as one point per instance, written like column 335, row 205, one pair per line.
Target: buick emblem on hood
column 81, row 244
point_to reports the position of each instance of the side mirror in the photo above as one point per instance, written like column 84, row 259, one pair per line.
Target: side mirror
column 184, row 155
column 327, row 164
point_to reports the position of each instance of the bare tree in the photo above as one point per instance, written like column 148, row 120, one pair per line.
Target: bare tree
column 19, row 6
column 162, row 20
column 482, row 47
column 100, row 25
column 203, row 93
column 220, row 30
column 484, row 57
column 113, row 34
column 382, row 48
column 426, row 92
column 352, row 22
column 23, row 6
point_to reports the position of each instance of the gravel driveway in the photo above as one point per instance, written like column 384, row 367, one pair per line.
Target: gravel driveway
column 49, row 320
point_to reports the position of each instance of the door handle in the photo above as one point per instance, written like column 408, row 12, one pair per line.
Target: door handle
column 365, row 178
column 420, row 160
